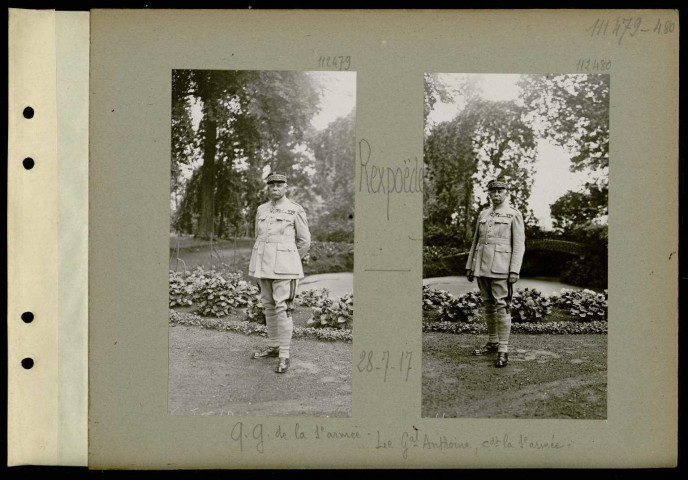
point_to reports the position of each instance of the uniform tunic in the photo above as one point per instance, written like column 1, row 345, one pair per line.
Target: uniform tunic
column 498, row 243
column 282, row 240
column 497, row 250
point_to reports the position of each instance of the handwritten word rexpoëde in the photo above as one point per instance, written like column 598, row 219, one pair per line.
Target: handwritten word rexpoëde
column 375, row 179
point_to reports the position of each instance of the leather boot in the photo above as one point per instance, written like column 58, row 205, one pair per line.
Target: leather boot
column 486, row 349
column 502, row 359
column 282, row 365
column 266, row 352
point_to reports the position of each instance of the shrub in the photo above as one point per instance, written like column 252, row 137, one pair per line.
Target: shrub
column 309, row 298
column 329, row 257
column 335, row 313
column 529, row 305
column 219, row 297
column 552, row 328
column 213, row 300
column 433, row 253
column 215, row 293
column 583, row 305
column 439, row 261
column 465, row 308
column 434, row 299
column 591, row 267
column 200, row 279
column 254, row 311
column 251, row 328
column 181, row 291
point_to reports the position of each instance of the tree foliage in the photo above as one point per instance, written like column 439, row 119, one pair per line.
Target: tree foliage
column 499, row 138
column 575, row 209
column 574, row 113
column 248, row 120
column 333, row 181
column 487, row 139
column 434, row 91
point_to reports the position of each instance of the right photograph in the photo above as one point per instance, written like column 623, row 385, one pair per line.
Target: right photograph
column 515, row 229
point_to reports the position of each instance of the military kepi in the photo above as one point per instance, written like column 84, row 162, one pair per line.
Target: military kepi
column 277, row 177
column 492, row 184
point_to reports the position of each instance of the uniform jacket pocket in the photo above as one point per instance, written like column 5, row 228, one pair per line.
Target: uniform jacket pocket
column 287, row 260
column 502, row 228
column 261, row 225
column 502, row 259
column 482, row 226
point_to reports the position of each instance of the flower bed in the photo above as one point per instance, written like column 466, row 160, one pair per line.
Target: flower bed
column 214, row 293
column 253, row 328
column 570, row 328
column 527, row 306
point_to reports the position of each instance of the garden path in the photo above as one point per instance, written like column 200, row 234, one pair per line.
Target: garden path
column 458, row 285
column 211, row 373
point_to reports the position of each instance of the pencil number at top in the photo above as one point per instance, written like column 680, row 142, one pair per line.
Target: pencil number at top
column 628, row 27
column 335, row 62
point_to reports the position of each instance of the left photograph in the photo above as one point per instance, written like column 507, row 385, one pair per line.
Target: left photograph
column 261, row 242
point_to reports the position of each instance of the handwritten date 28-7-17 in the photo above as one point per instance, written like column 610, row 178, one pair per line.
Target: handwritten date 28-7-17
column 386, row 363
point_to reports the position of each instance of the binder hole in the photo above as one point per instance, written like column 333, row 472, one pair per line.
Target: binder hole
column 28, row 163
column 27, row 363
column 28, row 112
column 351, row 216
column 27, row 317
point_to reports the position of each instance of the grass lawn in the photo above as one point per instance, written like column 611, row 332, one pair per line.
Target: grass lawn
column 548, row 376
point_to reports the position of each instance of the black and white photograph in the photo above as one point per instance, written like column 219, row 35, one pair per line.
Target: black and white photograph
column 515, row 231
column 261, row 243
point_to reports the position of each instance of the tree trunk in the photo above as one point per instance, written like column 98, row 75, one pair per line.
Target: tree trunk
column 205, row 221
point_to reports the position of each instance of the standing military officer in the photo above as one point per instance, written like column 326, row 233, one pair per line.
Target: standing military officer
column 282, row 240
column 495, row 260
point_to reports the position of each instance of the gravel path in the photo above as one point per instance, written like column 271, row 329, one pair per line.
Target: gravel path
column 211, row 373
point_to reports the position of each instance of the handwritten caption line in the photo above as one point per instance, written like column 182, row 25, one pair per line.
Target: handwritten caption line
column 255, row 438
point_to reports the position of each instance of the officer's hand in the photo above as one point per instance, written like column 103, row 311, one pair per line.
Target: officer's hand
column 469, row 275
column 513, row 278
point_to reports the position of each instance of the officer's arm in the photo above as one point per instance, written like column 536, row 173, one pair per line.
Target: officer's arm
column 303, row 235
column 518, row 243
column 255, row 227
column 469, row 262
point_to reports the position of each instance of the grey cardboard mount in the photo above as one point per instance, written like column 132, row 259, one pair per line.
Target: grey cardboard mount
column 131, row 58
